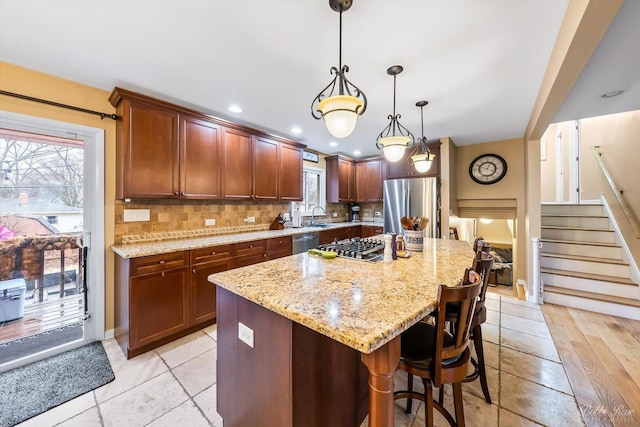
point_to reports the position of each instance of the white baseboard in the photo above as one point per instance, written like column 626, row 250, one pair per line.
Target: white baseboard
column 109, row 334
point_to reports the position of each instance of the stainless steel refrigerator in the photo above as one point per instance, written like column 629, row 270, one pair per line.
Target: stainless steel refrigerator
column 412, row 197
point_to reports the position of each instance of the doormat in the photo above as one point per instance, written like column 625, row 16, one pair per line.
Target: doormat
column 39, row 342
column 35, row 388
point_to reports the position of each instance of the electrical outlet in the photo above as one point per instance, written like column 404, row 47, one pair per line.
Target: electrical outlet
column 210, row 221
column 245, row 334
column 335, row 214
column 250, row 219
column 377, row 213
column 285, row 216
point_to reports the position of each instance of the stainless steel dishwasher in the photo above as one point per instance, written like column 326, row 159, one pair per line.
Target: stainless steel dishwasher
column 303, row 242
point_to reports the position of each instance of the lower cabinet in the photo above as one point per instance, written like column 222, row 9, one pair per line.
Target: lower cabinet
column 328, row 236
column 371, row 230
column 162, row 297
column 204, row 262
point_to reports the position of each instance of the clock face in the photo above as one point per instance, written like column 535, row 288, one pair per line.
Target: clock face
column 488, row 169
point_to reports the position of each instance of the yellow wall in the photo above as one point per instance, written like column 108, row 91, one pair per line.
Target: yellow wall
column 503, row 200
column 32, row 83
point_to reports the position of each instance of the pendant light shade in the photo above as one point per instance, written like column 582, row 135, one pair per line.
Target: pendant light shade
column 340, row 114
column 421, row 157
column 395, row 138
column 341, row 102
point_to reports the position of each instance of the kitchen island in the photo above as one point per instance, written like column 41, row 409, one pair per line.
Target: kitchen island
column 274, row 319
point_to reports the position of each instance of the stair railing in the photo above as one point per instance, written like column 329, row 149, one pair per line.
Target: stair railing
column 628, row 212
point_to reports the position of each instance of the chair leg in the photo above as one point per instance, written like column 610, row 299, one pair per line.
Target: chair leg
column 407, row 409
column 441, row 394
column 428, row 403
column 457, row 403
column 477, row 343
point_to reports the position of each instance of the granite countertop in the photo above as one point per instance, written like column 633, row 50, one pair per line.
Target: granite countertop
column 135, row 250
column 360, row 304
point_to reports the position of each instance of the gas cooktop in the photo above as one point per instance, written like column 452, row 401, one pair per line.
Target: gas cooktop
column 371, row 250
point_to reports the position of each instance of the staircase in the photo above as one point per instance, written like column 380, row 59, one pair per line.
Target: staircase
column 582, row 264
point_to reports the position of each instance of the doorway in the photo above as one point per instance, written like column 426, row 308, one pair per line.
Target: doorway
column 560, row 163
column 52, row 211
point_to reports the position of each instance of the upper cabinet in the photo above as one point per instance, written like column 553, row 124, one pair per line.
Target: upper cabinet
column 341, row 180
column 404, row 169
column 199, row 159
column 370, row 175
column 165, row 151
column 147, row 162
column 290, row 172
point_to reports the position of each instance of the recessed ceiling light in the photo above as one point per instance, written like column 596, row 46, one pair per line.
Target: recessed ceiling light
column 357, row 153
column 296, row 130
column 333, row 144
column 611, row 94
column 235, row 109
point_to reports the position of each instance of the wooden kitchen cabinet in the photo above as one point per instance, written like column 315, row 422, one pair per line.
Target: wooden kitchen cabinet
column 341, row 177
column 165, row 151
column 147, row 164
column 237, row 163
column 371, row 230
column 331, row 234
column 403, row 169
column 249, row 253
column 152, row 300
column 204, row 262
column 370, row 175
column 266, row 168
column 279, row 247
column 290, row 173
column 199, row 159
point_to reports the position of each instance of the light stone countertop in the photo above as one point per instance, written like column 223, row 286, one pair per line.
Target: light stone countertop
column 168, row 246
column 360, row 304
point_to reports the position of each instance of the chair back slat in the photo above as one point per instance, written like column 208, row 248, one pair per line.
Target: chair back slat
column 482, row 266
column 466, row 296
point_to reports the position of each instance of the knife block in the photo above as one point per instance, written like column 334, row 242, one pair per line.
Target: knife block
column 276, row 225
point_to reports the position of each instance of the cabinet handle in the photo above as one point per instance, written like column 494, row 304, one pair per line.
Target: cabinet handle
column 194, row 270
column 250, row 246
column 175, row 193
column 213, row 252
column 280, row 241
column 161, row 262
column 163, row 274
column 183, row 193
column 264, row 255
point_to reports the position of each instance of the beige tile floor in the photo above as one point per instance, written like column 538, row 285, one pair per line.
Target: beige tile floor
column 175, row 385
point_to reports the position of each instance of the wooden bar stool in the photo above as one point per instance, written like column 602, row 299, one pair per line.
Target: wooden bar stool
column 438, row 356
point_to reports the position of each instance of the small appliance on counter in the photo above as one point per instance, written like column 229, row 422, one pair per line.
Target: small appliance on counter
column 355, row 212
column 296, row 218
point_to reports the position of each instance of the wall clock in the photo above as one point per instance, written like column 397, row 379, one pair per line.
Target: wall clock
column 488, row 169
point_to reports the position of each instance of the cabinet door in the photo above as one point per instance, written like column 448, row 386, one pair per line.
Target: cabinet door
column 290, row 173
column 266, row 164
column 248, row 253
column 237, row 170
column 148, row 153
column 346, row 179
column 374, row 181
column 279, row 247
column 159, row 306
column 361, row 182
column 203, row 292
column 199, row 159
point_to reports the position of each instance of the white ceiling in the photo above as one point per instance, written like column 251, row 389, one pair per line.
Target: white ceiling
column 478, row 63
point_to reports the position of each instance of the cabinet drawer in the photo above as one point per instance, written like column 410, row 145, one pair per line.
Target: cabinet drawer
column 153, row 263
column 247, row 249
column 279, row 244
column 212, row 253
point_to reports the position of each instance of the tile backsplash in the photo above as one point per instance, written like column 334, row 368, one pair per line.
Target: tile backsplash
column 178, row 217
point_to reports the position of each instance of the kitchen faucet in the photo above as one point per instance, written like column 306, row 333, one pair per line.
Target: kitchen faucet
column 313, row 211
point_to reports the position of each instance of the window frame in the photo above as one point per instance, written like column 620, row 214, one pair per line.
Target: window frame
column 322, row 194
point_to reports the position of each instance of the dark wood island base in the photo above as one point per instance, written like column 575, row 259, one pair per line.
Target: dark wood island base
column 292, row 376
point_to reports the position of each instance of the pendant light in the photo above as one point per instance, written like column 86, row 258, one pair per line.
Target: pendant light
column 339, row 110
column 395, row 138
column 422, row 157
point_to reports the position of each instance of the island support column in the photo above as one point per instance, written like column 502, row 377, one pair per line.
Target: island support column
column 382, row 364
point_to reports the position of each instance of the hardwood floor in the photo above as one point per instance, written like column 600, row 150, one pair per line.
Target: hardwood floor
column 44, row 316
column 601, row 356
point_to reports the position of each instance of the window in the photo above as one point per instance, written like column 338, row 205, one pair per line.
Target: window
column 53, row 219
column 313, row 187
